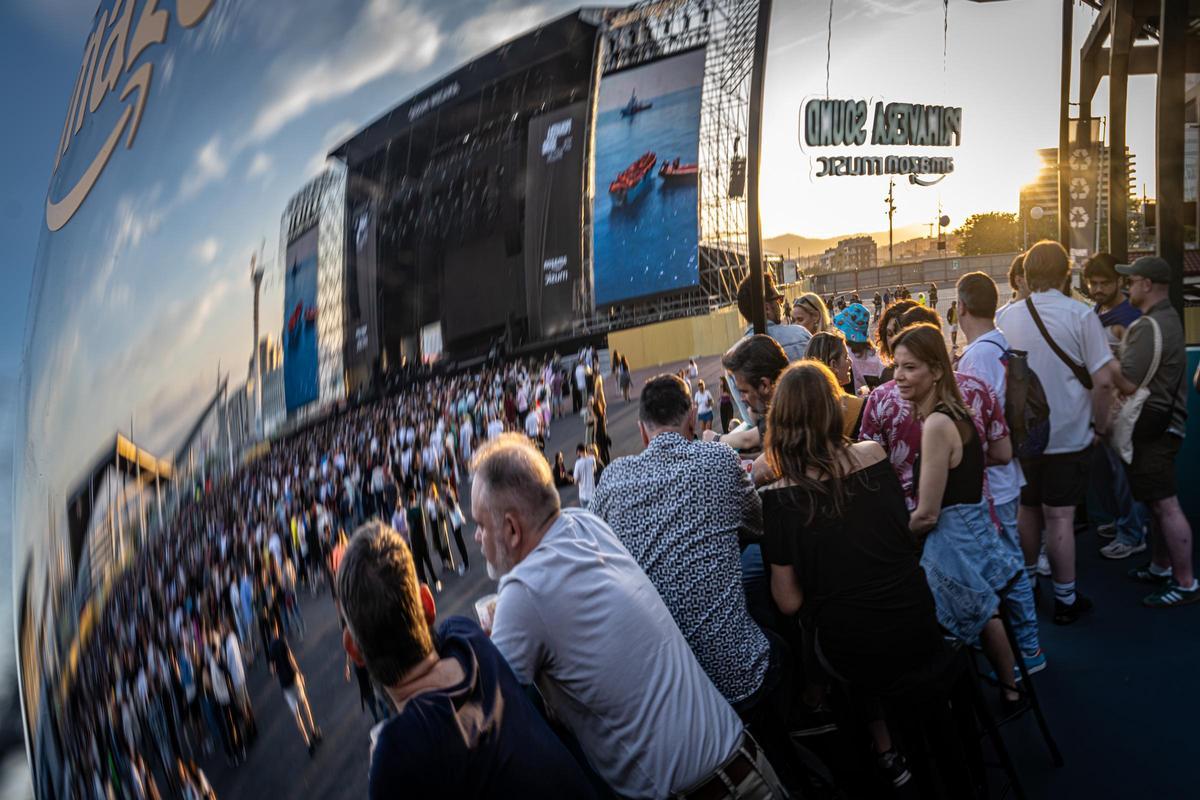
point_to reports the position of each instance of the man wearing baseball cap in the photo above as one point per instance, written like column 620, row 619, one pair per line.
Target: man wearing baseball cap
column 1159, row 431
column 792, row 338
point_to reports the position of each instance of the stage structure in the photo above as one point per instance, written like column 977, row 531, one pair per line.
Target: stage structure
column 466, row 203
column 470, row 206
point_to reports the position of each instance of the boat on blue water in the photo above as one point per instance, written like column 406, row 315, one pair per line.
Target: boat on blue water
column 674, row 173
column 635, row 106
column 632, row 181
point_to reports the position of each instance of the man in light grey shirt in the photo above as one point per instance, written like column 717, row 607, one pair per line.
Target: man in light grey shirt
column 577, row 616
column 792, row 338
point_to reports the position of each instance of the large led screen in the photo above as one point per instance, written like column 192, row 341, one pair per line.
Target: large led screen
column 300, row 367
column 645, row 222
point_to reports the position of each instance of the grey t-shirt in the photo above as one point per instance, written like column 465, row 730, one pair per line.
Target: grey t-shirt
column 793, row 339
column 579, row 618
column 1168, row 387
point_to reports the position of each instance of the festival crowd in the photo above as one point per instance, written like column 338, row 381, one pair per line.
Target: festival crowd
column 161, row 679
column 720, row 599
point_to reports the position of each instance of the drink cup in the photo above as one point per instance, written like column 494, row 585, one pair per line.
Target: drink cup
column 485, row 610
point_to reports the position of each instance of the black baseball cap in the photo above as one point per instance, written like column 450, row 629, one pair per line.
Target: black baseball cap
column 1152, row 267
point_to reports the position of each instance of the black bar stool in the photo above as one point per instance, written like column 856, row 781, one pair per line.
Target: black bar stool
column 1025, row 688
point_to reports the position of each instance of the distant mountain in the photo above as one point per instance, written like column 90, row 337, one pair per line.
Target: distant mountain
column 804, row 246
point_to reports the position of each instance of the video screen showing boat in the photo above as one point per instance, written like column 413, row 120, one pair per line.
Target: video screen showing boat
column 632, row 182
column 646, row 228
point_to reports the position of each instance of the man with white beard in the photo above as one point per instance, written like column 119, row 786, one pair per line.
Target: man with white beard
column 577, row 616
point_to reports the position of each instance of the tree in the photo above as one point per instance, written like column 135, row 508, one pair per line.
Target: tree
column 990, row 232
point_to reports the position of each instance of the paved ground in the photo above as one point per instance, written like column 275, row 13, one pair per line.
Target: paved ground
column 1120, row 693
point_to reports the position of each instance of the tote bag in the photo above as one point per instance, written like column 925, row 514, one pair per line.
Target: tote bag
column 1120, row 435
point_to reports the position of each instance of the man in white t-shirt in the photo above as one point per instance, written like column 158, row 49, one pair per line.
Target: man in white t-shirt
column 533, row 429
column 1057, row 481
column 578, row 617
column 983, row 357
column 585, row 475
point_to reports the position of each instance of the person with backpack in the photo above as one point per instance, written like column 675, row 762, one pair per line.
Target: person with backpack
column 987, row 357
column 1068, row 351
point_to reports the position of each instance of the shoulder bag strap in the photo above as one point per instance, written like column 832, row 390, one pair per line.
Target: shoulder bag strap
column 1081, row 374
column 1156, row 361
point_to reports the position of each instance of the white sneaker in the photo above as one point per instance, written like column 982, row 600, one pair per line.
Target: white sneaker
column 1107, row 531
column 1117, row 549
column 1043, row 565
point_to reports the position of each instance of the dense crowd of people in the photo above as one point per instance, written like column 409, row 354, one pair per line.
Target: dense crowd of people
column 161, row 680
column 699, row 612
column 716, row 598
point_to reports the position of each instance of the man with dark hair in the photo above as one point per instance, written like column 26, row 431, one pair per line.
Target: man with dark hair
column 464, row 726
column 755, row 362
column 1109, row 493
column 1068, row 351
column 1160, row 428
column 577, row 615
column 1104, row 288
column 983, row 358
column 680, row 508
column 792, row 338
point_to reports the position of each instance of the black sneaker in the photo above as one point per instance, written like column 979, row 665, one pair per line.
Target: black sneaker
column 894, row 767
column 814, row 722
column 1143, row 574
column 1066, row 614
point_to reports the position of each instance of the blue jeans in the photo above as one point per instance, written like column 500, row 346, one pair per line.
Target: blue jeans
column 966, row 564
column 1109, row 493
column 1020, row 600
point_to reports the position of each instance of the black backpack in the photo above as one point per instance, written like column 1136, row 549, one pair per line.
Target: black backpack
column 1025, row 405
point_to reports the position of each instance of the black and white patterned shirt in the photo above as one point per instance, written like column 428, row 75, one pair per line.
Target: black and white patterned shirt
column 678, row 508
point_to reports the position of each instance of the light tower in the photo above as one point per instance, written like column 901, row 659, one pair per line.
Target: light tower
column 256, row 277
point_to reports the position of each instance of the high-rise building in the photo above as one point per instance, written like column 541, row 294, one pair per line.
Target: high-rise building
column 312, row 240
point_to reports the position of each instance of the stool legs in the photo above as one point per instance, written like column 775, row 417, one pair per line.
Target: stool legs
column 993, row 732
column 1027, row 689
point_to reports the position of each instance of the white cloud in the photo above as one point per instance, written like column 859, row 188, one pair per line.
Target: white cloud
column 260, row 165
column 207, row 250
column 335, row 135
column 482, row 32
column 210, row 165
column 385, row 39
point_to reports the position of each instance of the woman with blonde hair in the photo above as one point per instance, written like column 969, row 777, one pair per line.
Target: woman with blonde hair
column 836, row 538
column 963, row 556
column 810, row 311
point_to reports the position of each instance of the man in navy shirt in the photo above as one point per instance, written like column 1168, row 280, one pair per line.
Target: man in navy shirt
column 464, row 726
column 1109, row 492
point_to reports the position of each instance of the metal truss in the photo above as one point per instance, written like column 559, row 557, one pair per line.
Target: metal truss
column 656, row 29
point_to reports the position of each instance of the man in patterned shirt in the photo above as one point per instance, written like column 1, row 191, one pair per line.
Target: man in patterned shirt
column 679, row 507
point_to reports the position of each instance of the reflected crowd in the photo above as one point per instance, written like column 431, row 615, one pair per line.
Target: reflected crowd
column 161, row 681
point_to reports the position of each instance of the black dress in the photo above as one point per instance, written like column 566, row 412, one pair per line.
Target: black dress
column 865, row 594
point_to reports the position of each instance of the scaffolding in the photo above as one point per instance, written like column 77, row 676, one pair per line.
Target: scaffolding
column 657, row 29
